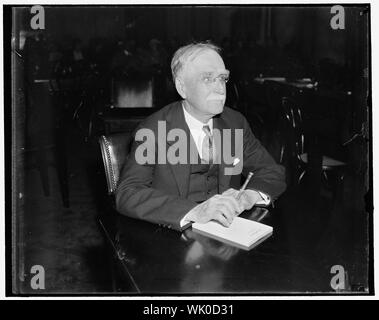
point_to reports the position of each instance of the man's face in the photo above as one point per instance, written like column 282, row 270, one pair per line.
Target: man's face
column 204, row 84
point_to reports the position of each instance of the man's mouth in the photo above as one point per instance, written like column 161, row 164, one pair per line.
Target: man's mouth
column 217, row 99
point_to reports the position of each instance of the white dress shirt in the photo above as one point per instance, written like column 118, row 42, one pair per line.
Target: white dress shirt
column 196, row 129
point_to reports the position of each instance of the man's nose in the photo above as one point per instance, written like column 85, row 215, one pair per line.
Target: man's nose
column 220, row 86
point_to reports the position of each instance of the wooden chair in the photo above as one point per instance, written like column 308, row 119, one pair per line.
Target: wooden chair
column 295, row 145
column 114, row 150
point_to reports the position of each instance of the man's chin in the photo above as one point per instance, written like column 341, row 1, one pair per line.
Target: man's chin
column 217, row 106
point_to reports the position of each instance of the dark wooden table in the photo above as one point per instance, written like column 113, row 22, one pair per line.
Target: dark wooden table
column 156, row 260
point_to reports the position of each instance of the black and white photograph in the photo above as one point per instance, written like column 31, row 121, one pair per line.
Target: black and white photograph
column 218, row 150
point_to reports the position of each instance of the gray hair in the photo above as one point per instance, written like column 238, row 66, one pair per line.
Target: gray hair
column 188, row 53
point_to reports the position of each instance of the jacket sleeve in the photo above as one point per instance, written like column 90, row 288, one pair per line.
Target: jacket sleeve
column 135, row 196
column 269, row 177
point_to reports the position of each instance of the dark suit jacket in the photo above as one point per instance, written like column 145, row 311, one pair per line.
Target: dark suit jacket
column 158, row 192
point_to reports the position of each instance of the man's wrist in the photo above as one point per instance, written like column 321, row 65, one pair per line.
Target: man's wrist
column 258, row 197
column 190, row 216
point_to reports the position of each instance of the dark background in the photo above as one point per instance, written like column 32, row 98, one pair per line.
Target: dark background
column 64, row 79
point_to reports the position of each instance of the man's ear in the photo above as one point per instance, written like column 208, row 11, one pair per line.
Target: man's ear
column 179, row 85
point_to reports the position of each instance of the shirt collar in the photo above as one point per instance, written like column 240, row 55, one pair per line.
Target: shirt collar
column 195, row 124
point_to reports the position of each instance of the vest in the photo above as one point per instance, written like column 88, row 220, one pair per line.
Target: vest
column 203, row 182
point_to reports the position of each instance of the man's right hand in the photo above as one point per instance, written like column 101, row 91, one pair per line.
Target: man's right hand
column 222, row 208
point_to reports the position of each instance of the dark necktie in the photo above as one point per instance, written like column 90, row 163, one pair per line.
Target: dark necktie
column 207, row 147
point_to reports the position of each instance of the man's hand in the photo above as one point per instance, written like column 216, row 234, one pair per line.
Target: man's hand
column 221, row 207
column 247, row 200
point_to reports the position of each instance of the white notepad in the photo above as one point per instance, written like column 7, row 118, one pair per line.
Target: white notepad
column 242, row 233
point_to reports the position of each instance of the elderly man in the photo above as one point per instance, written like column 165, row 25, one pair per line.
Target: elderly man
column 174, row 194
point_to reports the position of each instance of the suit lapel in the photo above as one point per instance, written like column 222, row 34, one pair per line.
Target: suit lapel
column 181, row 171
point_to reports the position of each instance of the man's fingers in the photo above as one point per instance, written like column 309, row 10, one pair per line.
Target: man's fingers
column 244, row 202
column 230, row 192
column 225, row 206
column 231, row 204
column 221, row 218
column 232, row 201
column 229, row 216
column 248, row 202
column 226, row 211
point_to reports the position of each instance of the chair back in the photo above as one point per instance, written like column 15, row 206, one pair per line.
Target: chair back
column 274, row 92
column 294, row 126
column 114, row 150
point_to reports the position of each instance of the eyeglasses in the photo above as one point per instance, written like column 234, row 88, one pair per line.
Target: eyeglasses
column 208, row 79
